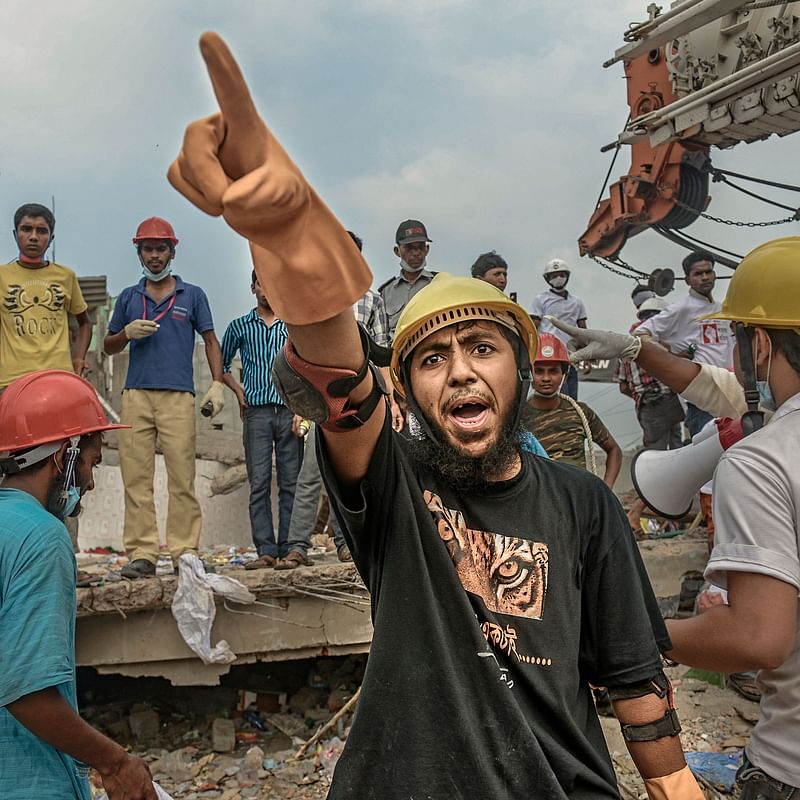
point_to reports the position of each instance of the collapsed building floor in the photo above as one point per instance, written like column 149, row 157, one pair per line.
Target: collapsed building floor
column 127, row 627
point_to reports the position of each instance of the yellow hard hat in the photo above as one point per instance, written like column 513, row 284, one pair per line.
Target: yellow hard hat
column 448, row 300
column 765, row 289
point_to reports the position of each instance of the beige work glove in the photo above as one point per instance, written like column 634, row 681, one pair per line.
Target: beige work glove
column 230, row 164
column 680, row 785
column 216, row 396
column 588, row 345
column 140, row 329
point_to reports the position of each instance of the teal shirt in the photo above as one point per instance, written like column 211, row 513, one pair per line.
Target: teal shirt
column 37, row 645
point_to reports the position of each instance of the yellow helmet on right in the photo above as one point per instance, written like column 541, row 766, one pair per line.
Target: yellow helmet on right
column 765, row 289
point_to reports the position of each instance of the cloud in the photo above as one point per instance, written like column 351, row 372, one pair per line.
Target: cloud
column 486, row 121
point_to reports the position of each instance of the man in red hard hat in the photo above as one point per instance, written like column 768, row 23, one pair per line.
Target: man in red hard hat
column 563, row 425
column 159, row 317
column 51, row 425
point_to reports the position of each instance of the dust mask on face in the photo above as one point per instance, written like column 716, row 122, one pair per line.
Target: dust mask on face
column 558, row 281
column 157, row 276
column 406, row 268
column 765, row 397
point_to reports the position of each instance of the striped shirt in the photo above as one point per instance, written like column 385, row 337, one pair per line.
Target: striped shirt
column 258, row 344
column 371, row 313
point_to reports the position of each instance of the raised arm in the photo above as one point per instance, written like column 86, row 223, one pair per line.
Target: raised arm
column 311, row 270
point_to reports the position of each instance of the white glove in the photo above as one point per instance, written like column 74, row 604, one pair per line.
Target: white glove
column 588, row 345
column 216, row 396
column 140, row 328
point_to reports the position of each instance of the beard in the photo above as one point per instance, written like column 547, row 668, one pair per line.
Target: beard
column 461, row 471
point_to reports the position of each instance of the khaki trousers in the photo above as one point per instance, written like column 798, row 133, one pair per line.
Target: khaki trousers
column 168, row 415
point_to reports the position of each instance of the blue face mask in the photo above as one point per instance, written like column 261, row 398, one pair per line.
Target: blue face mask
column 73, row 498
column 765, row 398
column 70, row 496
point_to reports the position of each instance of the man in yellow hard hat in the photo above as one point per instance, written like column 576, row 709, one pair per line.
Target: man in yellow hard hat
column 756, row 554
column 502, row 583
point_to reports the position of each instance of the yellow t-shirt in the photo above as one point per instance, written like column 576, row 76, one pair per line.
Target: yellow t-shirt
column 34, row 329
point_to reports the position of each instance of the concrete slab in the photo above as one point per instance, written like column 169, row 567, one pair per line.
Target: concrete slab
column 128, row 628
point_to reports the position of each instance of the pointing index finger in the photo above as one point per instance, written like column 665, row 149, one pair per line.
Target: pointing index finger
column 564, row 326
column 230, row 87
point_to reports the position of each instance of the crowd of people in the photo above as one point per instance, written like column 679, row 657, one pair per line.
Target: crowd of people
column 505, row 583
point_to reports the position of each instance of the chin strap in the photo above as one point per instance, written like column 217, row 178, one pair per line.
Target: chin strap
column 753, row 419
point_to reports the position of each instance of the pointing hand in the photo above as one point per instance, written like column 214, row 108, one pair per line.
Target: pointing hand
column 231, row 164
column 587, row 344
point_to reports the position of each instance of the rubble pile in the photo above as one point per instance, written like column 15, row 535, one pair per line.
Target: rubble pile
column 226, row 742
column 248, row 738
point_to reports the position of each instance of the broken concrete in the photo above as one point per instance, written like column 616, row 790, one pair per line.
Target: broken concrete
column 128, row 628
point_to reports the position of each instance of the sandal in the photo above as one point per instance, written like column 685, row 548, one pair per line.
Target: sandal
column 344, row 554
column 744, row 683
column 262, row 562
column 294, row 560
column 87, row 579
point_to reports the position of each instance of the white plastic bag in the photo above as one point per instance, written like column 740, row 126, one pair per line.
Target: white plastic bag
column 194, row 609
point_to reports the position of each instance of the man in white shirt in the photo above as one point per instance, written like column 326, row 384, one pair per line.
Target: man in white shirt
column 756, row 554
column 558, row 302
column 680, row 328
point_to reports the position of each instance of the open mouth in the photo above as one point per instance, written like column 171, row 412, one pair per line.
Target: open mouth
column 469, row 413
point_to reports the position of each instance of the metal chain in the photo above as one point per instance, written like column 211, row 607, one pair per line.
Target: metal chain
column 739, row 223
column 606, row 264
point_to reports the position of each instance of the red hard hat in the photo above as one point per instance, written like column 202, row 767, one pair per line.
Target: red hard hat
column 49, row 406
column 155, row 228
column 551, row 350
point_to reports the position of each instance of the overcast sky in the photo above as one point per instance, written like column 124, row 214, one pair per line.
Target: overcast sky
column 482, row 119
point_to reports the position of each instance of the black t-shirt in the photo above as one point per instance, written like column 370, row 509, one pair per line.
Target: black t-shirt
column 492, row 614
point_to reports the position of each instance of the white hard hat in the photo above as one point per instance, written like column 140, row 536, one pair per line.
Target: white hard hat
column 555, row 265
column 652, row 304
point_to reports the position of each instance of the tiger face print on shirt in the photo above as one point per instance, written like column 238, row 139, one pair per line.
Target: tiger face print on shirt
column 508, row 573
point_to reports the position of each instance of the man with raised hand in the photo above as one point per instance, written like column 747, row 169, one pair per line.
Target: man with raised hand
column 502, row 583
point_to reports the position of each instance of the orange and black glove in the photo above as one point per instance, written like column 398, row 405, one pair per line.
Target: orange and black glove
column 230, row 164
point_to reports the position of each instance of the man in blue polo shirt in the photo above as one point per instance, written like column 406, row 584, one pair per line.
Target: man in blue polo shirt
column 268, row 424
column 159, row 316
